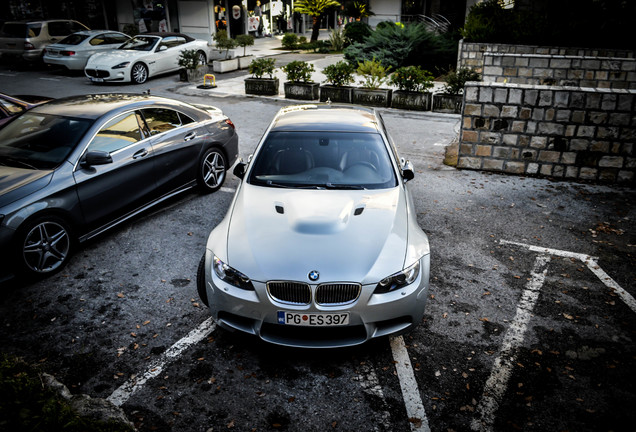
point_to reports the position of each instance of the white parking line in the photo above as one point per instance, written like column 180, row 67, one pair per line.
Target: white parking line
column 227, row 189
column 410, row 392
column 497, row 382
column 123, row 393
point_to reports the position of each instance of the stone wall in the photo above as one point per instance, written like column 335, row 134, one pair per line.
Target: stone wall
column 602, row 72
column 471, row 54
column 562, row 132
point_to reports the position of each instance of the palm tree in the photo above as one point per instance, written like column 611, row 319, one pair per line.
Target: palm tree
column 315, row 9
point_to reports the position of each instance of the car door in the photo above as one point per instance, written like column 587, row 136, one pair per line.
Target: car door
column 109, row 190
column 177, row 141
column 168, row 57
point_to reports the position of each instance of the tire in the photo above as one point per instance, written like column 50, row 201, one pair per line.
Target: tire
column 202, row 58
column 212, row 170
column 139, row 73
column 43, row 246
column 203, row 294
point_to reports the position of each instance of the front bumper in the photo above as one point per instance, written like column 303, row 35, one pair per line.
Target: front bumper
column 103, row 75
column 370, row 316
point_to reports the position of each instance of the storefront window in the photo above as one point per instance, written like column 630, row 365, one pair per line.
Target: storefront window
column 151, row 16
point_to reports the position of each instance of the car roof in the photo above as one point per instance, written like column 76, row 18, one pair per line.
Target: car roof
column 93, row 106
column 335, row 118
column 166, row 34
column 95, row 32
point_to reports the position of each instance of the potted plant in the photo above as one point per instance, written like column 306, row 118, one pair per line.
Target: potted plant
column 258, row 85
column 374, row 74
column 245, row 40
column 299, row 84
column 412, row 83
column 224, row 43
column 338, row 75
column 192, row 70
column 450, row 100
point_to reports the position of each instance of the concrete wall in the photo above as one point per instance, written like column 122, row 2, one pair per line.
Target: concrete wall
column 471, row 54
column 603, row 72
column 563, row 132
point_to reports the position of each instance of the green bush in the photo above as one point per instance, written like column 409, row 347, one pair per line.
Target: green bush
column 339, row 74
column 262, row 66
column 290, row 41
column 374, row 74
column 412, row 78
column 244, row 40
column 357, row 32
column 298, row 71
column 223, row 42
column 455, row 80
column 189, row 59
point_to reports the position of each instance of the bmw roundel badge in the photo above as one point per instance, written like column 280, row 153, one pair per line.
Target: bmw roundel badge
column 314, row 275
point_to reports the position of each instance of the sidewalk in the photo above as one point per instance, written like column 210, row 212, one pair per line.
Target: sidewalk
column 233, row 83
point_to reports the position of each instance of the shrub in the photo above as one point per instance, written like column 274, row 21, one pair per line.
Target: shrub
column 412, row 78
column 131, row 29
column 189, row 59
column 223, row 42
column 373, row 72
column 455, row 80
column 290, row 41
column 298, row 71
column 357, row 32
column 244, row 40
column 337, row 40
column 262, row 66
column 339, row 74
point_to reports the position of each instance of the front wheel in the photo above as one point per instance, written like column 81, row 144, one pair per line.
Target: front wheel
column 212, row 167
column 44, row 246
column 139, row 73
column 202, row 59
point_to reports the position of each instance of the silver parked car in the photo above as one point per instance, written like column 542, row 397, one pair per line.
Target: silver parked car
column 73, row 51
column 321, row 246
column 27, row 39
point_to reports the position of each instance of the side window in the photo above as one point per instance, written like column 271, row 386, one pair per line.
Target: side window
column 115, row 38
column 161, row 120
column 75, row 27
column 179, row 41
column 118, row 133
column 59, row 28
column 11, row 107
column 98, row 40
column 169, row 41
column 185, row 119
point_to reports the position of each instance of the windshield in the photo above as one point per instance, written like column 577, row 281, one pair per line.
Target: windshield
column 40, row 141
column 74, row 39
column 330, row 160
column 140, row 43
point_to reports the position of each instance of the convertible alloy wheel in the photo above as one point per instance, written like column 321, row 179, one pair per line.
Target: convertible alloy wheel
column 46, row 246
column 212, row 170
column 139, row 73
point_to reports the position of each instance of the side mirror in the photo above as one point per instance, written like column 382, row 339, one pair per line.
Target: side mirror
column 239, row 169
column 407, row 171
column 162, row 48
column 96, row 157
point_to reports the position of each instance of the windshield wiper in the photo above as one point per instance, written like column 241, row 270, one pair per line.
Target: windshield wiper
column 293, row 185
column 344, row 186
column 17, row 161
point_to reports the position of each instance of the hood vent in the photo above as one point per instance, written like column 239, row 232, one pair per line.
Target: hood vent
column 280, row 209
column 358, row 211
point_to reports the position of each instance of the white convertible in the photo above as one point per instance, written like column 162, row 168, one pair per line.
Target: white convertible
column 142, row 57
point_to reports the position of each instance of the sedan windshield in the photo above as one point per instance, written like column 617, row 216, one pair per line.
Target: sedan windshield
column 140, row 43
column 329, row 160
column 40, row 141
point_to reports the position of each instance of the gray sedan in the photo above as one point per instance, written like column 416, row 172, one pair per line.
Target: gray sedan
column 74, row 50
column 74, row 167
column 320, row 247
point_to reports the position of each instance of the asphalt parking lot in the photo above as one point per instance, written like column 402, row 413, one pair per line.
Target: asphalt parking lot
column 530, row 324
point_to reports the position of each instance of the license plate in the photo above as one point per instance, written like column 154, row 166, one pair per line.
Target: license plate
column 313, row 319
column 97, row 79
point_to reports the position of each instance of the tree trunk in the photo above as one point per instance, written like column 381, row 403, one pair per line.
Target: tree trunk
column 315, row 28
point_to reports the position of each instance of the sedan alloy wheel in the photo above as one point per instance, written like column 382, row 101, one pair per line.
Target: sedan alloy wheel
column 46, row 246
column 212, row 171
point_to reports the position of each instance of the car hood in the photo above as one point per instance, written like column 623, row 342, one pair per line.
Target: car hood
column 115, row 57
column 347, row 236
column 16, row 183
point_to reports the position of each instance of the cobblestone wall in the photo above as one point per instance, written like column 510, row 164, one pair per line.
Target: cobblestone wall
column 471, row 54
column 603, row 72
column 562, row 132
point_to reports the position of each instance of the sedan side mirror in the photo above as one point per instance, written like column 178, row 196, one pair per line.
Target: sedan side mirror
column 407, row 171
column 239, row 169
column 96, row 157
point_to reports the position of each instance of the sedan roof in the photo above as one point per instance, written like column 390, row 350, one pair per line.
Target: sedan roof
column 93, row 106
column 326, row 118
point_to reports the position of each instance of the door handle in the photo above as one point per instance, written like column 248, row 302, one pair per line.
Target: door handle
column 190, row 136
column 141, row 153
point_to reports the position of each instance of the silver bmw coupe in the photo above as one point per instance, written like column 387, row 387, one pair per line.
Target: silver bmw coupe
column 320, row 246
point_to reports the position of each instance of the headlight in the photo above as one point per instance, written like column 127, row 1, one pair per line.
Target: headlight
column 121, row 65
column 231, row 276
column 399, row 279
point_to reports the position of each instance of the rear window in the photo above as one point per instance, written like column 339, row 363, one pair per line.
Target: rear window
column 74, row 39
column 14, row 30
